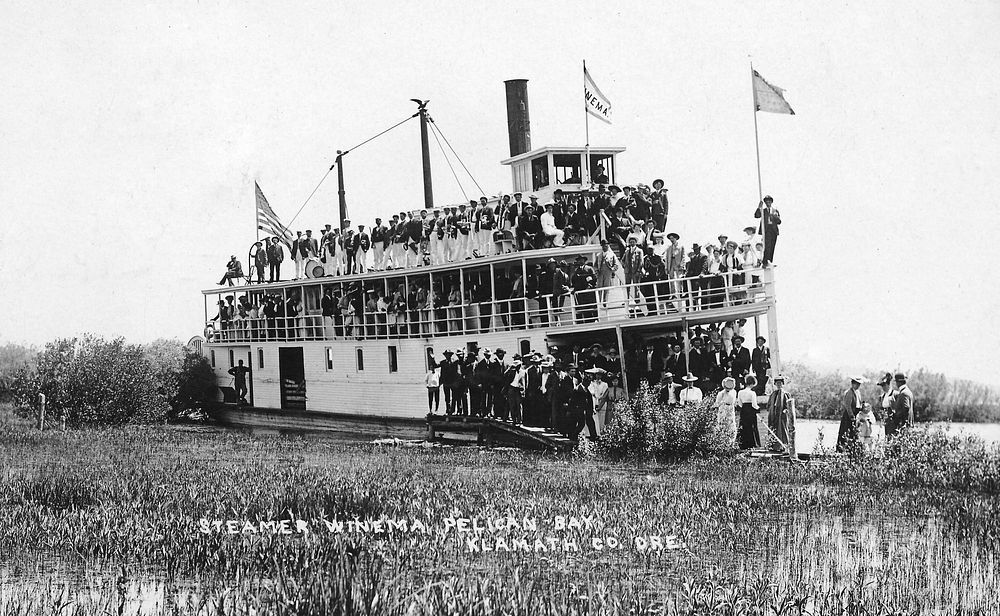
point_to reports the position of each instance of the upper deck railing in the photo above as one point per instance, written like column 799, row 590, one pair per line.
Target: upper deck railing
column 730, row 293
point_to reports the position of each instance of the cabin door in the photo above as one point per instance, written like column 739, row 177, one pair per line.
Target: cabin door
column 291, row 371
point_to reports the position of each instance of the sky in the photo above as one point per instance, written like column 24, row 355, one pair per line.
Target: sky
column 131, row 135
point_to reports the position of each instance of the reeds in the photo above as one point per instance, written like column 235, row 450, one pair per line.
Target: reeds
column 106, row 521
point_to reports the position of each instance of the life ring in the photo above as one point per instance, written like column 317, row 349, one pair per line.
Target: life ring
column 313, row 268
column 209, row 333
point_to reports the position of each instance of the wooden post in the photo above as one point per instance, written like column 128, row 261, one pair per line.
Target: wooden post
column 621, row 356
column 41, row 411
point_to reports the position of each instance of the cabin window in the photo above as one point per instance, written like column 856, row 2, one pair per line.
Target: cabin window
column 540, row 172
column 567, row 168
column 232, row 358
column 524, row 346
column 260, row 357
column 360, row 354
column 430, row 361
column 605, row 160
column 328, row 351
column 311, row 296
column 393, row 359
column 212, row 353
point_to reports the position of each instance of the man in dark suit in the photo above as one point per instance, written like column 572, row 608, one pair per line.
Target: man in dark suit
column 694, row 269
column 449, row 378
column 583, row 279
column 760, row 363
column 275, row 255
column 701, row 364
column 260, row 261
column 239, row 373
column 660, row 205
column 739, row 360
column 533, row 399
column 529, row 229
column 770, row 218
column 902, row 407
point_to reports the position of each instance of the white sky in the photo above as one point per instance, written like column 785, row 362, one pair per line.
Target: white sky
column 131, row 135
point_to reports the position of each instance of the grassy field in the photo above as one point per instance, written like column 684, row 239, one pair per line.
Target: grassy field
column 110, row 521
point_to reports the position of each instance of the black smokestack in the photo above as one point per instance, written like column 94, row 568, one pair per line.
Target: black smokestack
column 518, row 124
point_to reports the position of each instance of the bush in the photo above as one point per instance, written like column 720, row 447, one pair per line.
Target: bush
column 91, row 380
column 183, row 376
column 13, row 359
column 648, row 428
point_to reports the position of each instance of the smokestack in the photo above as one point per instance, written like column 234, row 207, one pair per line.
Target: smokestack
column 518, row 125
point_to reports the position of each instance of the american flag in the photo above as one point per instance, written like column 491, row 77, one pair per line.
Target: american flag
column 267, row 220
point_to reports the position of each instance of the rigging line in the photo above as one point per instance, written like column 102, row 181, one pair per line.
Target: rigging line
column 445, row 155
column 335, row 164
column 434, row 124
column 307, row 200
column 378, row 135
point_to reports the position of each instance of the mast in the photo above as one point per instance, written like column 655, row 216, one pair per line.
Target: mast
column 425, row 154
column 340, row 188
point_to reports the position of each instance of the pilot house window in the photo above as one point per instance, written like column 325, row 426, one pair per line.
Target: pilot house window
column 540, row 172
column 567, row 168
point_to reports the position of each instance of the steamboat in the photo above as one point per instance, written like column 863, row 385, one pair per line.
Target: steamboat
column 368, row 368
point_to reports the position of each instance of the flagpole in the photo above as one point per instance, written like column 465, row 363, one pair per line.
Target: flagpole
column 756, row 139
column 586, row 122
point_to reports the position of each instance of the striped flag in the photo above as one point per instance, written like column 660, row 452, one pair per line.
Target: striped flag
column 767, row 97
column 267, row 220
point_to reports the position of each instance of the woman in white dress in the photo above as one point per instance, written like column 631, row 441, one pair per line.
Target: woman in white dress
column 725, row 403
column 549, row 228
column 599, row 391
column 690, row 394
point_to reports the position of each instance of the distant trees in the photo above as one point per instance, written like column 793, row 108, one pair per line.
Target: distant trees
column 90, row 380
column 936, row 397
column 13, row 358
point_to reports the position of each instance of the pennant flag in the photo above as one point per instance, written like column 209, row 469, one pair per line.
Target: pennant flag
column 267, row 220
column 597, row 104
column 767, row 97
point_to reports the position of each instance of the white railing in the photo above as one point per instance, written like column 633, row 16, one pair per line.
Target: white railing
column 683, row 296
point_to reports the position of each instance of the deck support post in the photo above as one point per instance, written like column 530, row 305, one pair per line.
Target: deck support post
column 687, row 346
column 772, row 319
column 621, row 357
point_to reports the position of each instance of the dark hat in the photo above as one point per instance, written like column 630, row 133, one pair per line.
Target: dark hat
column 657, row 181
column 483, row 199
column 581, row 258
column 614, row 187
column 695, row 245
column 673, row 235
column 604, row 242
column 499, row 352
column 780, row 377
column 900, row 377
column 739, row 337
column 761, row 339
column 886, row 379
column 749, row 229
column 557, row 191
column 768, row 198
column 448, row 352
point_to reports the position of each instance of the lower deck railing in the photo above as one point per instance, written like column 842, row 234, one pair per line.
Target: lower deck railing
column 608, row 304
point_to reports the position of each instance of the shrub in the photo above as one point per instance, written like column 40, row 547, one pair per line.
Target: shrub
column 183, row 376
column 91, row 380
column 648, row 428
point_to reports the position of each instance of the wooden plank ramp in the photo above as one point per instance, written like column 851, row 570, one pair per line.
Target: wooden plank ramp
column 491, row 432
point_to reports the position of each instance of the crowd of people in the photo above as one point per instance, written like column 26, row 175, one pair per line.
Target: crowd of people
column 534, row 389
column 464, row 232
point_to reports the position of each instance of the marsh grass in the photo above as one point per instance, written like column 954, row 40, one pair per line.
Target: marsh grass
column 112, row 516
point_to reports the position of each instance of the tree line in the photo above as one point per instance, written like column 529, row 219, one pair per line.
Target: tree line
column 936, row 397
column 90, row 380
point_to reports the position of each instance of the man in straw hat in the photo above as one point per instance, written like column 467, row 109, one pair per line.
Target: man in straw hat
column 901, row 414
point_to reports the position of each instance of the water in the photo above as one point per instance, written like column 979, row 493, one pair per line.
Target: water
column 810, row 430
